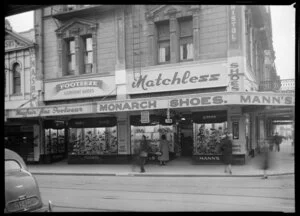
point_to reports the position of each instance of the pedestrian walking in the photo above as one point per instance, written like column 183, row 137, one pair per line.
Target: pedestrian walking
column 265, row 159
column 143, row 153
column 226, row 147
column 277, row 140
column 164, row 149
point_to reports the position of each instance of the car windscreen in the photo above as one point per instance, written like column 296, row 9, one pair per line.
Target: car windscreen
column 12, row 165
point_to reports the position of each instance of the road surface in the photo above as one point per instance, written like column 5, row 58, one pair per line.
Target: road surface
column 124, row 193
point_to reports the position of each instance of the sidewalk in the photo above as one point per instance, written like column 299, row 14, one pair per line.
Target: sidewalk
column 282, row 164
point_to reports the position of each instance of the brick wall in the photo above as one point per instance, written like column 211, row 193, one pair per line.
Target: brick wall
column 213, row 32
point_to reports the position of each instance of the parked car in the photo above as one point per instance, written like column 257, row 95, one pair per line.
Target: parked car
column 22, row 192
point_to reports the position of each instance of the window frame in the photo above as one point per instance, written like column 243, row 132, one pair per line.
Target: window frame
column 86, row 52
column 14, row 72
column 68, row 54
column 188, row 37
column 162, row 40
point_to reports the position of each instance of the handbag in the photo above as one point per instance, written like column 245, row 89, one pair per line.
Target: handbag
column 143, row 154
column 159, row 153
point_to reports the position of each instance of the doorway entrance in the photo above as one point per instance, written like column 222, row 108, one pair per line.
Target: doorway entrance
column 186, row 139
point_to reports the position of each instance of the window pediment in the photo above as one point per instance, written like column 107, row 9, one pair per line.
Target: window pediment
column 76, row 27
column 14, row 41
column 165, row 11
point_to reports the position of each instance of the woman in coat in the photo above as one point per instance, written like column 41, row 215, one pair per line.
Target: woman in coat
column 164, row 149
column 226, row 146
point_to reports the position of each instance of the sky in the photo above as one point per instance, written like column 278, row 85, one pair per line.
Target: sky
column 283, row 26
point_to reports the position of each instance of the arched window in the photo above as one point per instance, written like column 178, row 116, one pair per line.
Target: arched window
column 16, row 78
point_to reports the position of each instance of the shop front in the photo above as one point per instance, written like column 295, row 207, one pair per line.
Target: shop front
column 19, row 138
column 109, row 131
column 153, row 129
column 55, row 141
column 93, row 140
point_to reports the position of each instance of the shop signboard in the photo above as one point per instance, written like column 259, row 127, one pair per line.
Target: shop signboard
column 198, row 100
column 182, row 101
column 79, row 88
column 235, row 74
column 234, row 26
column 51, row 111
column 182, row 77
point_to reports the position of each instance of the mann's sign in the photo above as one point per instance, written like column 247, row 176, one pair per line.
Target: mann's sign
column 268, row 100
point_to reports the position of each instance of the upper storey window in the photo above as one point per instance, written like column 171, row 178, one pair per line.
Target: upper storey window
column 16, row 78
column 163, row 33
column 88, row 54
column 186, row 38
column 77, row 48
column 71, row 56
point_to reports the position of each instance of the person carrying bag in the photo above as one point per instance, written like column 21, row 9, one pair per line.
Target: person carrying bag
column 143, row 154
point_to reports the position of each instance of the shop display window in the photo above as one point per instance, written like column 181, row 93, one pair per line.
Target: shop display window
column 207, row 138
column 54, row 141
column 94, row 141
column 153, row 134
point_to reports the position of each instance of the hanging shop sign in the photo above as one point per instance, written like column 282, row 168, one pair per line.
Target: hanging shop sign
column 82, row 88
column 145, row 117
column 193, row 76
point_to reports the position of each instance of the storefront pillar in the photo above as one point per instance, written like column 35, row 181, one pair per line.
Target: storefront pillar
column 123, row 129
column 36, row 142
column 236, row 126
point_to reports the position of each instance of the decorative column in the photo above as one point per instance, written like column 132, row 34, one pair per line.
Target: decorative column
column 152, row 38
column 174, row 38
column 196, row 32
column 77, row 55
column 94, row 39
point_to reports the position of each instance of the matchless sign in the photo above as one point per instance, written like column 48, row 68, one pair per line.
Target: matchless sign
column 193, row 76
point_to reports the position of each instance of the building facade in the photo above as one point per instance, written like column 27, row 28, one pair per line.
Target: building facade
column 20, row 84
column 112, row 73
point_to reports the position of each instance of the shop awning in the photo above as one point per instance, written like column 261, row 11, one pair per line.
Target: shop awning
column 269, row 99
